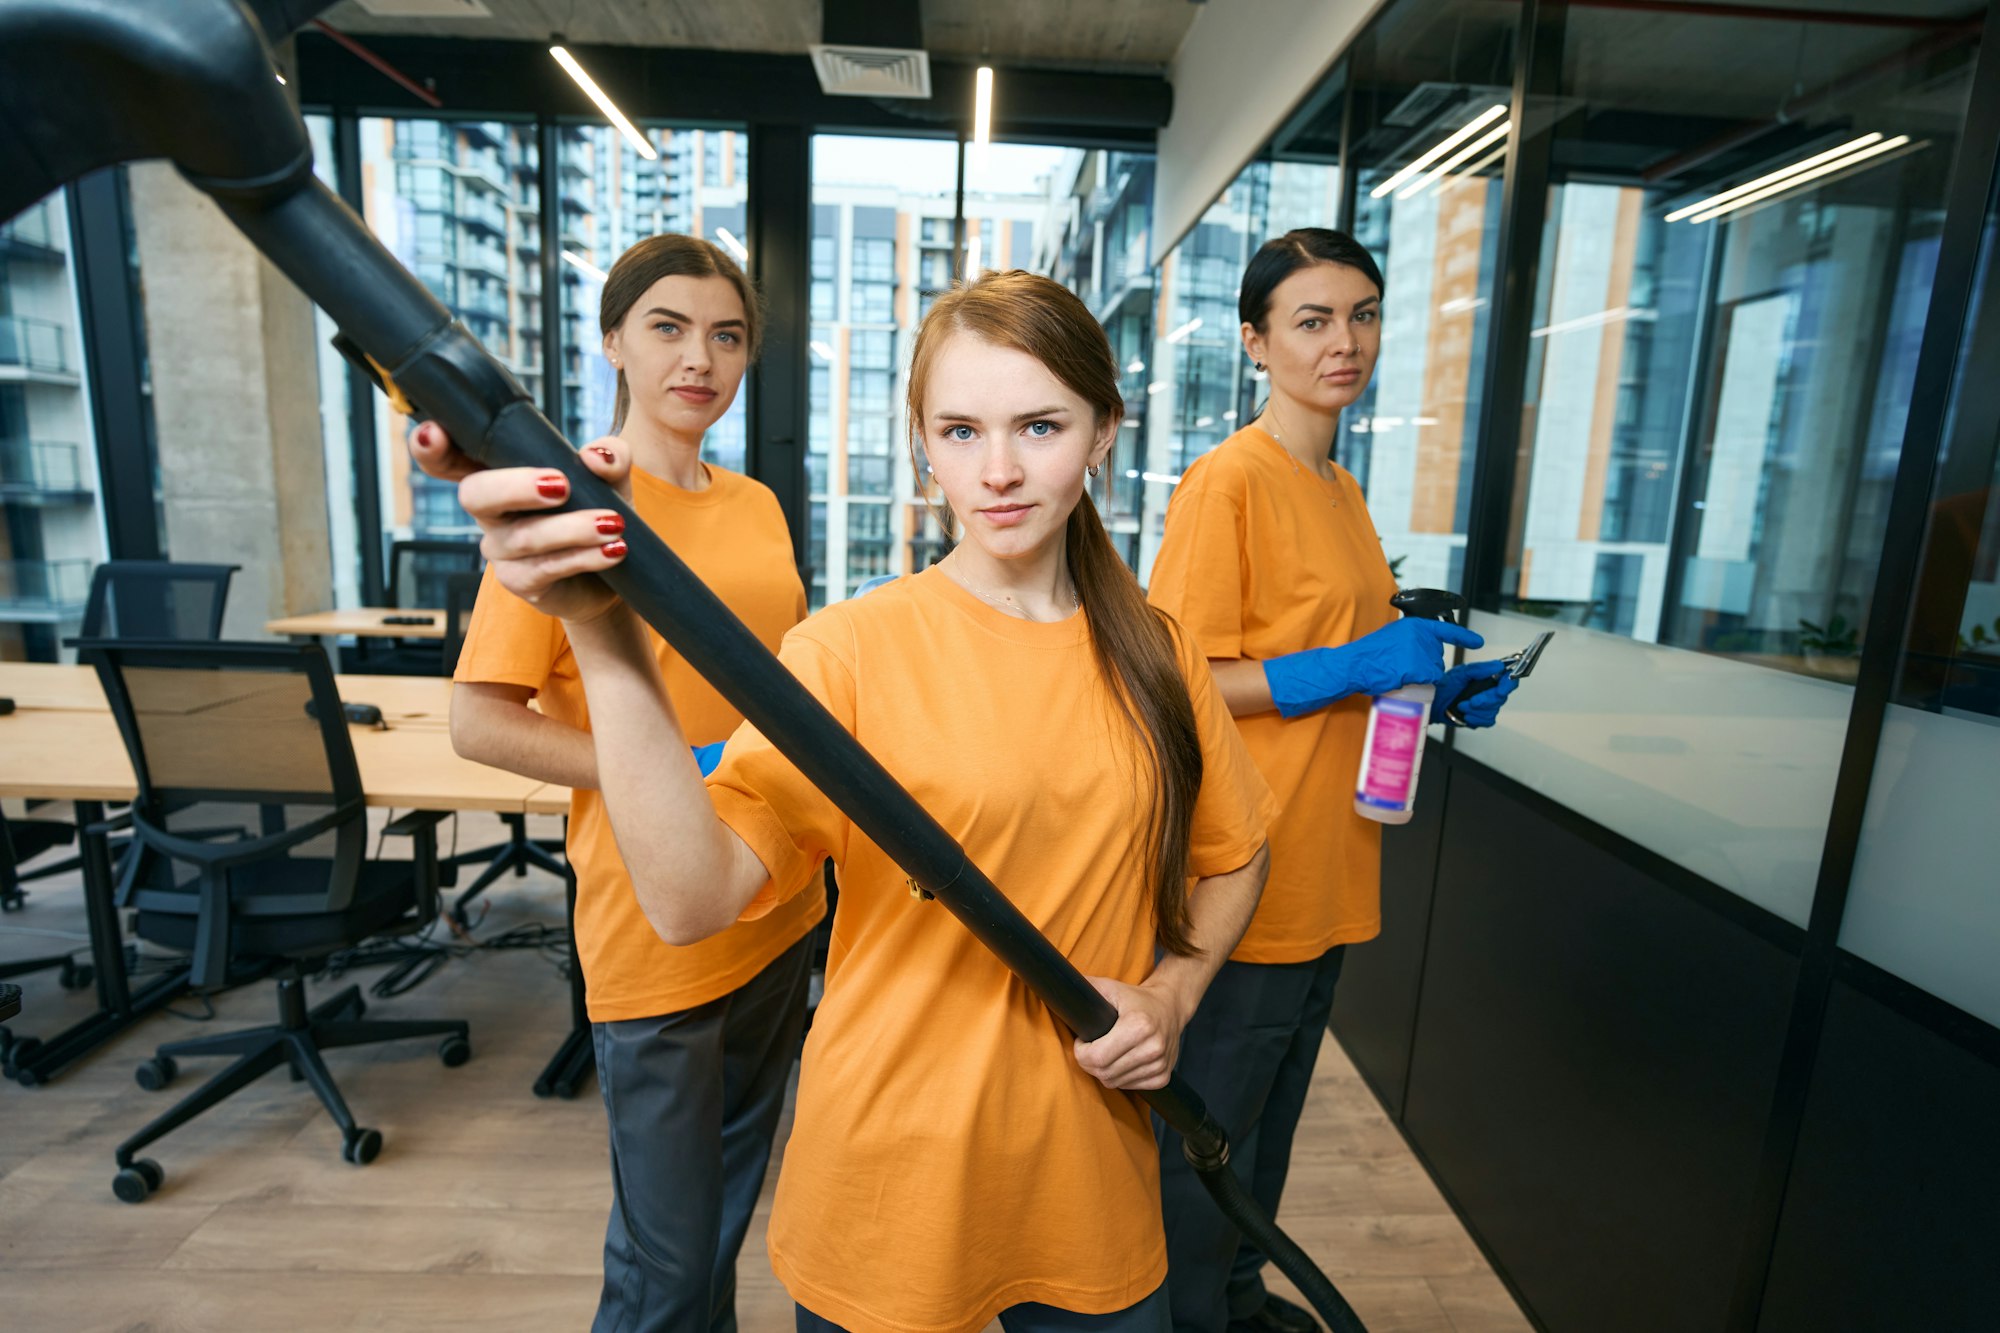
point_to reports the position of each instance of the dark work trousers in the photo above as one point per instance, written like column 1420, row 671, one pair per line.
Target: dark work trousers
column 693, row 1099
column 1148, row 1316
column 1249, row 1052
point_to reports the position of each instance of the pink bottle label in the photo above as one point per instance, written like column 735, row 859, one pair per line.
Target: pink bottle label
column 1391, row 757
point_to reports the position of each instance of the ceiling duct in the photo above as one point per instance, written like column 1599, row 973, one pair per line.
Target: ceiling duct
column 872, row 48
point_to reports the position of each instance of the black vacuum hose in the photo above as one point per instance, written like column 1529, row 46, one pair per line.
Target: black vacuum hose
column 235, row 136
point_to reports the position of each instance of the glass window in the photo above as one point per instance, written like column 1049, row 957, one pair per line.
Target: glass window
column 873, row 198
column 1921, row 903
column 458, row 202
column 51, row 528
column 1725, row 328
column 612, row 198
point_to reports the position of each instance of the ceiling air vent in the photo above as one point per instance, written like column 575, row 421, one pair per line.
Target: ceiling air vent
column 426, row 9
column 872, row 71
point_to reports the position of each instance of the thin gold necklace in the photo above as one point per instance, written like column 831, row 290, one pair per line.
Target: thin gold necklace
column 958, row 577
column 1271, row 410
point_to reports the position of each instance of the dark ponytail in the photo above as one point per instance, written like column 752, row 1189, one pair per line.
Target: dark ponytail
column 1133, row 642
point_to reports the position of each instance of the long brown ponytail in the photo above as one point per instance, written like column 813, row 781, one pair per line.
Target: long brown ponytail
column 1133, row 643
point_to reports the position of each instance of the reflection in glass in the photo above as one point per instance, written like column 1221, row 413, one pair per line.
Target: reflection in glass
column 1922, row 903
column 1726, row 330
column 1730, row 291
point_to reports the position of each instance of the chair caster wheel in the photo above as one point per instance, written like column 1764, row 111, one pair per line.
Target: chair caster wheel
column 362, row 1146
column 139, row 1181
column 23, row 1054
column 156, row 1073
column 454, row 1051
column 76, row 976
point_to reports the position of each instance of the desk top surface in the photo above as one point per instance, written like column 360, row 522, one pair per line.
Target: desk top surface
column 362, row 621
column 64, row 686
column 62, row 744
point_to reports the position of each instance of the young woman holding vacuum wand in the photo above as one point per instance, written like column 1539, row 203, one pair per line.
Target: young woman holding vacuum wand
column 1270, row 561
column 957, row 1154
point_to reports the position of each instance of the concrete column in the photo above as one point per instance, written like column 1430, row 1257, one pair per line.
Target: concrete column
column 235, row 402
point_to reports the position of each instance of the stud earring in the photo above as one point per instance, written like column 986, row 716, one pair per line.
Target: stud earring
column 1258, row 366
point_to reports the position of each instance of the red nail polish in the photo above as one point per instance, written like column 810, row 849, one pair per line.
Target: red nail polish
column 552, row 487
column 604, row 453
column 615, row 550
column 610, row 525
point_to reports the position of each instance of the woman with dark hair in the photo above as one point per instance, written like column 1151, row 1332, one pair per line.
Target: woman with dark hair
column 1270, row 562
column 957, row 1155
column 695, row 1042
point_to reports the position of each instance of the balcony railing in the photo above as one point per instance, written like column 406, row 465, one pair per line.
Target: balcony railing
column 43, row 586
column 33, row 344
column 41, row 470
column 34, row 230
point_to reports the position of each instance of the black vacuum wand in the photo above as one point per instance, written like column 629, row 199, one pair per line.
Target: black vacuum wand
column 81, row 86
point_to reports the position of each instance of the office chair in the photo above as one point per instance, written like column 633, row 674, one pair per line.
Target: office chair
column 250, row 724
column 420, row 573
column 135, row 599
column 461, row 592
column 519, row 851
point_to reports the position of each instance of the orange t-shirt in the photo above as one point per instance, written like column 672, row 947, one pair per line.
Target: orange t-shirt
column 949, row 1157
column 733, row 535
column 1261, row 558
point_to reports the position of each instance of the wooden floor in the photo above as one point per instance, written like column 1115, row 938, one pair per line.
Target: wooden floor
column 486, row 1208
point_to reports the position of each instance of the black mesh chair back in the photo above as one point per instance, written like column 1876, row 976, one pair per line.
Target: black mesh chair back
column 156, row 599
column 461, row 592
column 418, row 570
column 215, row 731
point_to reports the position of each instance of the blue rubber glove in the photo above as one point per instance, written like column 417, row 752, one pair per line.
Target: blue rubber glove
column 1482, row 709
column 1403, row 652
column 706, row 757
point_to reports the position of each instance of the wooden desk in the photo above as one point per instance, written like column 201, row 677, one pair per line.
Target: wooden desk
column 75, row 753
column 42, row 685
column 364, row 622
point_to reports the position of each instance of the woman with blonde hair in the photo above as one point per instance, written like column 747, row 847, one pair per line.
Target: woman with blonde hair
column 957, row 1154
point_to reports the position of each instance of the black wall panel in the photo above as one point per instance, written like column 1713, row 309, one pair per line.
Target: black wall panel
column 1375, row 1008
column 1593, row 1067
column 1892, row 1212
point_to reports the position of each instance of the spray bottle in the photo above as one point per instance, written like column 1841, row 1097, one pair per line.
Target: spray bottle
column 1385, row 789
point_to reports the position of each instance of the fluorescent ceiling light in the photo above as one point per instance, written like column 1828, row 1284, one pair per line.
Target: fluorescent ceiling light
column 1792, row 182
column 1461, row 305
column 588, row 269
column 1185, row 331
column 604, row 104
column 1457, row 137
column 1459, row 159
column 1137, row 367
column 1173, row 479
column 1230, row 415
column 1156, row 386
column 732, row 245
column 821, row 350
column 982, row 106
column 1782, row 173
column 1203, row 423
